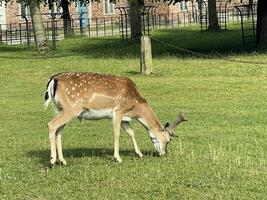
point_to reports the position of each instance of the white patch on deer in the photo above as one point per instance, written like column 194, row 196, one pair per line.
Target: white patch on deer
column 50, row 92
column 143, row 121
column 92, row 114
column 50, row 136
column 92, row 98
column 155, row 141
column 95, row 95
column 126, row 119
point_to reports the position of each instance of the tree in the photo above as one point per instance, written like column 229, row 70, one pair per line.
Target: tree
column 262, row 24
column 66, row 17
column 38, row 26
column 135, row 17
column 213, row 17
column 37, row 22
column 212, row 14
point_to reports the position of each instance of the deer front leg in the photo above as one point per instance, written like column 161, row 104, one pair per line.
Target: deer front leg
column 127, row 127
column 116, row 127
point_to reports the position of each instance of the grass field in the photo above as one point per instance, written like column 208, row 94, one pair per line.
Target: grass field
column 221, row 152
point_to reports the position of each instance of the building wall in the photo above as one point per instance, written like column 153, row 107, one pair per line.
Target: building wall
column 12, row 11
column 97, row 10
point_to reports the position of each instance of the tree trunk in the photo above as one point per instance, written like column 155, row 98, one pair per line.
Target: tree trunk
column 66, row 17
column 213, row 18
column 262, row 24
column 38, row 26
column 135, row 18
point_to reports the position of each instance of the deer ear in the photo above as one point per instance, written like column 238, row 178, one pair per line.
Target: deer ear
column 166, row 125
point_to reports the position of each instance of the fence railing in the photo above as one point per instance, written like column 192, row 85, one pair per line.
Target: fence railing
column 22, row 33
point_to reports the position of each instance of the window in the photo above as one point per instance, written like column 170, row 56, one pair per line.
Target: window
column 55, row 8
column 109, row 7
column 24, row 10
column 183, row 5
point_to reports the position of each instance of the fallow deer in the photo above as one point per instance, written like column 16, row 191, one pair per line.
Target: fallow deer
column 94, row 96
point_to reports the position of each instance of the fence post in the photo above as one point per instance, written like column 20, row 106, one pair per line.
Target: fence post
column 178, row 19
column 104, row 26
column 81, row 23
column 159, row 20
column 56, row 32
column 112, row 26
column 126, row 24
column 20, row 39
column 1, row 33
column 96, row 24
column 146, row 56
column 172, row 20
column 16, row 34
column 72, row 27
column 184, row 18
column 10, row 33
column 53, row 27
column 6, row 36
column 89, row 26
column 47, row 29
column 27, row 30
column 166, row 24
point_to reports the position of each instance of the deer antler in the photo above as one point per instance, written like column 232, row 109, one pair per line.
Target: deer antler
column 181, row 118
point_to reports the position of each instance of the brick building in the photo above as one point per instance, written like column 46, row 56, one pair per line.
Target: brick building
column 12, row 12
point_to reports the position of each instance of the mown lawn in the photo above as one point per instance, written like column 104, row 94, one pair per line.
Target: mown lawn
column 221, row 152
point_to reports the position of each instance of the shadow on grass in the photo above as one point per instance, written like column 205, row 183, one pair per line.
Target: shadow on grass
column 44, row 155
column 132, row 73
column 10, row 48
column 221, row 43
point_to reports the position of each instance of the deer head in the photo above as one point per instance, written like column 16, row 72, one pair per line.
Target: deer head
column 160, row 144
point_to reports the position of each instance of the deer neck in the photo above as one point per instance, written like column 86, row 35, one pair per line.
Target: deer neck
column 149, row 120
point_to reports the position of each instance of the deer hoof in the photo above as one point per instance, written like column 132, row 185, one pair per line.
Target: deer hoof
column 53, row 160
column 118, row 159
column 63, row 162
column 50, row 165
column 139, row 154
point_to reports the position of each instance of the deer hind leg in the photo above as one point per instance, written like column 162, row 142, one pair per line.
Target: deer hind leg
column 127, row 127
column 60, row 120
column 116, row 127
column 61, row 159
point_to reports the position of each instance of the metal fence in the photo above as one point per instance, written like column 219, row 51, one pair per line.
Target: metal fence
column 22, row 33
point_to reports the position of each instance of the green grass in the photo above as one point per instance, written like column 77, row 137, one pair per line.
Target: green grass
column 221, row 152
